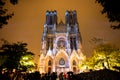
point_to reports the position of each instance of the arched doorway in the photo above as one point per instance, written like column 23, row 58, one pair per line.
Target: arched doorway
column 62, row 61
column 49, row 65
column 49, row 70
column 74, row 66
column 74, row 69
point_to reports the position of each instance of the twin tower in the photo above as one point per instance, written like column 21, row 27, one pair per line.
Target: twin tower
column 70, row 17
column 61, row 44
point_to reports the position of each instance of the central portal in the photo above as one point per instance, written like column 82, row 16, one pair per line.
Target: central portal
column 62, row 69
column 62, row 65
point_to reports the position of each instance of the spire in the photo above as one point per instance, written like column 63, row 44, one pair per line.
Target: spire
column 71, row 17
column 51, row 17
column 61, row 22
column 49, row 52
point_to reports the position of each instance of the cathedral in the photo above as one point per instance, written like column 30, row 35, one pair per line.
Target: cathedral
column 61, row 44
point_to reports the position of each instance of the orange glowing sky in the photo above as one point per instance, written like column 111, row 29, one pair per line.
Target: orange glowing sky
column 27, row 23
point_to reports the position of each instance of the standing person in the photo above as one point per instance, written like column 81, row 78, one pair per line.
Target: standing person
column 53, row 76
column 61, row 76
column 65, row 76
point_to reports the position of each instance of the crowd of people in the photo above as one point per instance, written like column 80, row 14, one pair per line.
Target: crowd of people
column 35, row 76
column 104, row 74
column 92, row 75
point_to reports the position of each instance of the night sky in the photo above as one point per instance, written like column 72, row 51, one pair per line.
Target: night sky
column 28, row 22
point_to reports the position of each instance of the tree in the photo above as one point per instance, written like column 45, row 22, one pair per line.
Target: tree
column 27, row 62
column 4, row 15
column 105, row 56
column 13, row 54
column 111, row 9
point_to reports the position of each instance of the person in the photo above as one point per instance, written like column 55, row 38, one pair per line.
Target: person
column 64, row 74
column 53, row 76
column 61, row 76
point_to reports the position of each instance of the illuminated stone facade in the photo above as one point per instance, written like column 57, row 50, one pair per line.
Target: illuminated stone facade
column 61, row 44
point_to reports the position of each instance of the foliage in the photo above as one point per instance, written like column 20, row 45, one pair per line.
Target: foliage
column 27, row 62
column 12, row 54
column 111, row 9
column 4, row 15
column 105, row 56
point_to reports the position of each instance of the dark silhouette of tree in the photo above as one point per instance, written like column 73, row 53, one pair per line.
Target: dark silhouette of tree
column 104, row 74
column 111, row 9
column 13, row 54
column 4, row 15
column 13, row 2
column 116, row 67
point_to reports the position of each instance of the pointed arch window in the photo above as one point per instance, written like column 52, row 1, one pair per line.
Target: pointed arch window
column 49, row 63
column 74, row 62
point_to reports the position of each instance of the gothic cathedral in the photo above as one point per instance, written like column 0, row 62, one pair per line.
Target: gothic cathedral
column 61, row 44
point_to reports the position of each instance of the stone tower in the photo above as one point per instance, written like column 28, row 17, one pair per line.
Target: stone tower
column 61, row 44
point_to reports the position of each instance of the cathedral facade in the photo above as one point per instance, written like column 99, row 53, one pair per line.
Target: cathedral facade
column 61, row 44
